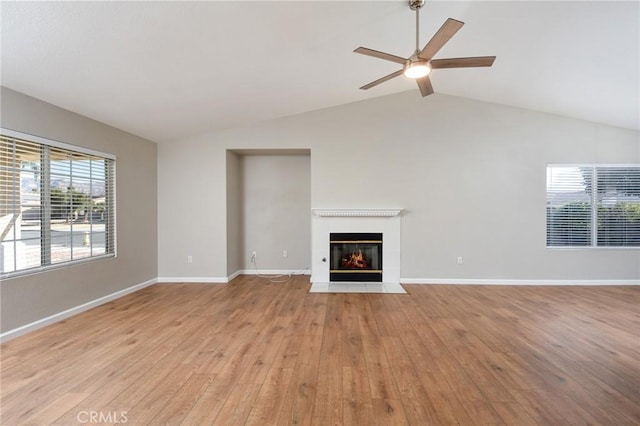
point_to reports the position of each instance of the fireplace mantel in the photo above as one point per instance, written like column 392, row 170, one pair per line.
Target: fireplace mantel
column 356, row 212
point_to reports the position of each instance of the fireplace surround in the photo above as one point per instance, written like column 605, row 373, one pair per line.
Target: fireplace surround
column 371, row 224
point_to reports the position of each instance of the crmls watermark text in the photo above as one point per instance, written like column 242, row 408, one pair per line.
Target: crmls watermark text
column 97, row 417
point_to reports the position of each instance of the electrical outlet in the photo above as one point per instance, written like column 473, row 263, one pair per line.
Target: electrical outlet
column 253, row 257
column 459, row 260
column 284, row 253
column 189, row 259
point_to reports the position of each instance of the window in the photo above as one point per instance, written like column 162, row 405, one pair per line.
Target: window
column 593, row 206
column 56, row 204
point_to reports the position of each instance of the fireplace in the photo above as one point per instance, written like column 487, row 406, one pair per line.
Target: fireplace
column 328, row 221
column 355, row 257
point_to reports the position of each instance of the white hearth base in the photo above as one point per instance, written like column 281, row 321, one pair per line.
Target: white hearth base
column 350, row 287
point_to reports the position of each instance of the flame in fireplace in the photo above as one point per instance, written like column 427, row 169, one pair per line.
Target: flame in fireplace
column 355, row 261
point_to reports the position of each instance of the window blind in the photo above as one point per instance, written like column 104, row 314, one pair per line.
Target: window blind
column 618, row 206
column 56, row 204
column 593, row 206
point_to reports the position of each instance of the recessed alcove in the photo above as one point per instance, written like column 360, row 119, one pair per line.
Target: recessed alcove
column 268, row 203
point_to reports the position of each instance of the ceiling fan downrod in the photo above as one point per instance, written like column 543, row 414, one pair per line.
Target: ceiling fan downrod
column 416, row 5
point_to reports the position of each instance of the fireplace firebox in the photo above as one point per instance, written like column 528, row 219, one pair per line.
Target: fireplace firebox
column 355, row 257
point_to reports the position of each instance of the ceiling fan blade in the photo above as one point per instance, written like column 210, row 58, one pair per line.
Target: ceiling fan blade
column 380, row 55
column 425, row 86
column 477, row 61
column 381, row 80
column 446, row 31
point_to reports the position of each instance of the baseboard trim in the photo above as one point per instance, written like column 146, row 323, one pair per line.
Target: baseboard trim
column 11, row 334
column 274, row 272
column 515, row 282
column 224, row 280
column 201, row 280
column 234, row 275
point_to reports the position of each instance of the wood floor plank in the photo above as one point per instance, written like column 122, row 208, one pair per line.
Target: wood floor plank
column 144, row 402
column 53, row 410
column 301, row 393
column 258, row 352
column 262, row 355
column 312, row 315
column 210, row 402
column 544, row 410
column 474, row 403
column 270, row 400
column 328, row 398
column 238, row 405
column 389, row 412
column 357, row 404
column 512, row 413
column 175, row 409
column 381, row 381
column 418, row 406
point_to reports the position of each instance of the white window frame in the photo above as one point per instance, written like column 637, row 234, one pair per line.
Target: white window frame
column 110, row 183
column 593, row 206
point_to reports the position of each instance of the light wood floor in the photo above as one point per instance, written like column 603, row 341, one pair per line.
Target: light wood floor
column 258, row 353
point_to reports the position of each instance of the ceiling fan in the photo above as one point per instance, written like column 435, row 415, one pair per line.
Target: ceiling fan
column 419, row 65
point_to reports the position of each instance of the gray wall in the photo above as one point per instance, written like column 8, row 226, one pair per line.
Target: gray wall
column 276, row 201
column 234, row 213
column 37, row 296
column 192, row 216
column 470, row 176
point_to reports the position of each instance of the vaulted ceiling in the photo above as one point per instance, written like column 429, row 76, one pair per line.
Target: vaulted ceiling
column 167, row 70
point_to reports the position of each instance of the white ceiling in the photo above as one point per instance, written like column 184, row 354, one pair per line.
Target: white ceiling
column 167, row 70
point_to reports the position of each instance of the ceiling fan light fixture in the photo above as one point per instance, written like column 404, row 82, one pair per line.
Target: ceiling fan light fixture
column 417, row 69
